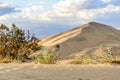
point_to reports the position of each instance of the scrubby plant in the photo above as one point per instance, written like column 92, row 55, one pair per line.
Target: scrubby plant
column 116, row 60
column 15, row 43
column 46, row 56
column 83, row 59
column 105, row 57
column 6, row 59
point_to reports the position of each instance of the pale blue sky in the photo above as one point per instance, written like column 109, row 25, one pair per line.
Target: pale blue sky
column 46, row 17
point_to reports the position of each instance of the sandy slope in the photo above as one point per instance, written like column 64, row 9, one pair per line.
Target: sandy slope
column 32, row 71
column 80, row 38
column 92, row 31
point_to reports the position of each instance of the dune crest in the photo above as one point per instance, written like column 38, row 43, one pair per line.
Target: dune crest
column 84, row 37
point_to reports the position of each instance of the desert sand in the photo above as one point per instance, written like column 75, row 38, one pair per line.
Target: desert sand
column 31, row 71
column 85, row 38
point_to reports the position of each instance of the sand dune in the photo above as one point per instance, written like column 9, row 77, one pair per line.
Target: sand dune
column 84, row 37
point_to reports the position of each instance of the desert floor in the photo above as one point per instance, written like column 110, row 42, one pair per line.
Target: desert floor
column 31, row 71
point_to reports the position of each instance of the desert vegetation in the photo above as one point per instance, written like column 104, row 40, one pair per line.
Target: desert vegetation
column 16, row 44
column 46, row 56
column 104, row 58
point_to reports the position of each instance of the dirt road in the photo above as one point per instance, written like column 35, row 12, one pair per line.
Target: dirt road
column 30, row 71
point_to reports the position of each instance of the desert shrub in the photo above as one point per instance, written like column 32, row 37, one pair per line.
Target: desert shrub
column 101, row 59
column 83, row 59
column 106, row 57
column 116, row 60
column 46, row 56
column 15, row 43
column 6, row 59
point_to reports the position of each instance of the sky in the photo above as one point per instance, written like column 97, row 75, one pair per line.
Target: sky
column 47, row 17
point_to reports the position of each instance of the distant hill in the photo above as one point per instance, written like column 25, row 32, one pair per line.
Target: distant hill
column 83, row 38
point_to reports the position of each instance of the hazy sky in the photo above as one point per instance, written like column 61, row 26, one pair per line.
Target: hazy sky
column 46, row 17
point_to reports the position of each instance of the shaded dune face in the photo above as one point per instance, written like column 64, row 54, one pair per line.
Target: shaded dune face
column 86, row 36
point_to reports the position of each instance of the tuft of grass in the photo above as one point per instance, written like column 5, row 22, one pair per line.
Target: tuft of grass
column 116, row 60
column 84, row 59
column 6, row 59
column 47, row 56
column 9, row 59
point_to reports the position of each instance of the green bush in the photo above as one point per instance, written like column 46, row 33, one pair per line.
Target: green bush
column 46, row 56
column 15, row 44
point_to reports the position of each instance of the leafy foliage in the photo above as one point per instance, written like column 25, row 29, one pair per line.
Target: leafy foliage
column 15, row 43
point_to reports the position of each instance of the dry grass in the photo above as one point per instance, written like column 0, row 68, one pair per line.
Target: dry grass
column 94, row 61
column 9, row 59
column 103, row 58
column 81, row 60
column 84, row 59
column 46, row 57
